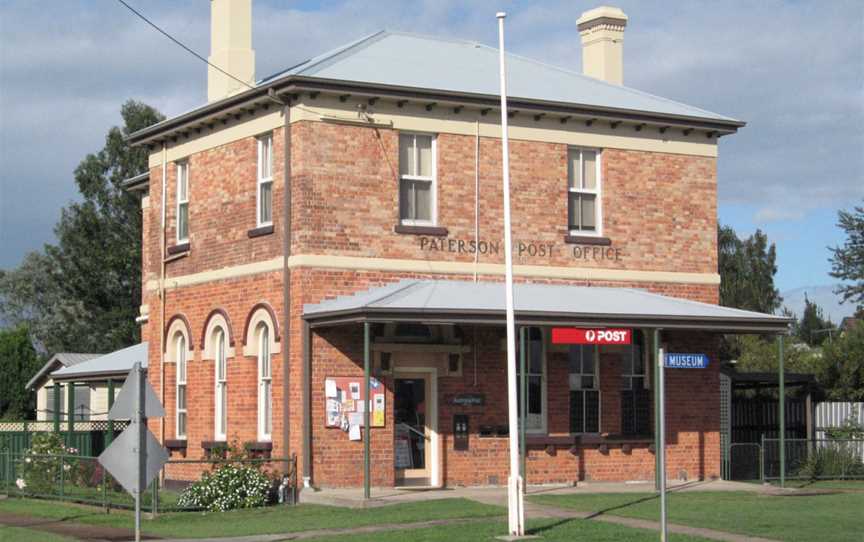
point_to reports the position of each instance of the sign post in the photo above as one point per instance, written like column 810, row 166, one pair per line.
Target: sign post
column 135, row 457
column 661, row 448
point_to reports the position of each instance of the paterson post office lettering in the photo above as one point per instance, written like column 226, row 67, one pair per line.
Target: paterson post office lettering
column 521, row 249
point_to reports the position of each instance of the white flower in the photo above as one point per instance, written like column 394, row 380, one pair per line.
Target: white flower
column 20, row 483
column 27, row 460
column 67, row 467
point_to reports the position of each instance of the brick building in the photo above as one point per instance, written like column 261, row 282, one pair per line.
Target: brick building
column 286, row 220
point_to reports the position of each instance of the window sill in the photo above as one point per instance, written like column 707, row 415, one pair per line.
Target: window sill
column 421, row 230
column 587, row 240
column 614, row 439
column 214, row 445
column 260, row 231
column 259, row 446
column 176, row 444
column 546, row 440
column 178, row 249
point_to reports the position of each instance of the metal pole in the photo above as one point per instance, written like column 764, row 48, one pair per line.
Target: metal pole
column 523, row 385
column 661, row 450
column 515, row 511
column 367, row 490
column 656, row 349
column 782, row 415
column 138, row 424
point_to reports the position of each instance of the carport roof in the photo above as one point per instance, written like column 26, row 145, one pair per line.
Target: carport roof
column 117, row 363
column 450, row 301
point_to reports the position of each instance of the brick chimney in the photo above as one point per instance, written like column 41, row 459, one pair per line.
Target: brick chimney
column 602, row 31
column 230, row 48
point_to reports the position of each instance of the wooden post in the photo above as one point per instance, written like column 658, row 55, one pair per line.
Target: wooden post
column 57, row 406
column 70, row 412
column 110, row 404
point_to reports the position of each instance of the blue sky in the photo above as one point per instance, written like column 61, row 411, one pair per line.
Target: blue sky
column 793, row 70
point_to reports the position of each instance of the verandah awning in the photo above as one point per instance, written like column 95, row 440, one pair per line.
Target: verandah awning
column 454, row 301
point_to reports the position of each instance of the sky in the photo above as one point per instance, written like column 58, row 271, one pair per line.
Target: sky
column 794, row 71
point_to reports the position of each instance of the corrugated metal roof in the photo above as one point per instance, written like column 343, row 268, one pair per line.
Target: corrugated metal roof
column 66, row 359
column 537, row 301
column 117, row 362
column 424, row 62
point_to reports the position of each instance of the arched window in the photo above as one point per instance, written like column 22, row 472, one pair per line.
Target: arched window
column 180, row 353
column 265, row 384
column 221, row 396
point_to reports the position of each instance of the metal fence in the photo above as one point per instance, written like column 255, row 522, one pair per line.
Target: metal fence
column 81, row 479
column 814, row 459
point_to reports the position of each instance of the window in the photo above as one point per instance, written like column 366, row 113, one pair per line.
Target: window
column 181, row 387
column 535, row 365
column 81, row 408
column 584, row 389
column 221, row 399
column 265, row 180
column 182, row 202
column 417, row 179
column 583, row 178
column 265, row 385
column 635, row 394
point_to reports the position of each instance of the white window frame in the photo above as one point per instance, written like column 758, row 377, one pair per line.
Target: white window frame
column 597, row 192
column 596, row 387
column 544, row 413
column 433, row 198
column 220, row 396
column 265, row 382
column 181, row 376
column 182, row 166
column 264, row 140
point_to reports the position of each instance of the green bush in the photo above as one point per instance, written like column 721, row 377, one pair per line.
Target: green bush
column 229, row 486
column 42, row 465
column 833, row 459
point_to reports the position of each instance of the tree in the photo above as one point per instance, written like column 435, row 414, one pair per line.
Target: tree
column 813, row 328
column 847, row 262
column 747, row 268
column 82, row 294
column 841, row 368
column 18, row 364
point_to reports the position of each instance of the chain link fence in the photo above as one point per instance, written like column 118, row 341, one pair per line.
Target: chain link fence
column 814, row 459
column 82, row 479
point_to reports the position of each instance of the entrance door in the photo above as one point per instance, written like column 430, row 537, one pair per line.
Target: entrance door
column 414, row 408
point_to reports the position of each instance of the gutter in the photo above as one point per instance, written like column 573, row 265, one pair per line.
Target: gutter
column 256, row 97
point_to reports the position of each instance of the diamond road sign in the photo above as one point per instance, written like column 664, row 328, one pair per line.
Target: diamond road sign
column 119, row 459
column 124, row 405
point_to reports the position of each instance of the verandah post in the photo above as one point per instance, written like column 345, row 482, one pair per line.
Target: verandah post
column 110, row 404
column 782, row 414
column 522, row 402
column 70, row 412
column 655, row 339
column 368, row 436
column 57, row 406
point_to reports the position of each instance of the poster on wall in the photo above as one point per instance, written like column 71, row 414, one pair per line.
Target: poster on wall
column 345, row 402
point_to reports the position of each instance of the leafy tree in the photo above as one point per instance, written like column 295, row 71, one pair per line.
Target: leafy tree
column 747, row 268
column 847, row 262
column 82, row 294
column 758, row 354
column 841, row 371
column 18, row 363
column 813, row 328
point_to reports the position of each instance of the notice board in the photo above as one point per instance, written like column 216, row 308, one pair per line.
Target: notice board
column 345, row 398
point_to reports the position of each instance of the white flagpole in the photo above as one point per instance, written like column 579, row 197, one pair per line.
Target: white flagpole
column 515, row 510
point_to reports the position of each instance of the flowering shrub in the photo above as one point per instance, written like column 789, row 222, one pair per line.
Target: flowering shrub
column 229, row 486
column 39, row 468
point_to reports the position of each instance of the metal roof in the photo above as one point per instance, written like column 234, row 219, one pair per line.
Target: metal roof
column 140, row 182
column 452, row 65
column 550, row 304
column 116, row 363
column 65, row 359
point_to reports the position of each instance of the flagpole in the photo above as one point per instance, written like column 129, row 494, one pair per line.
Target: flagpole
column 515, row 510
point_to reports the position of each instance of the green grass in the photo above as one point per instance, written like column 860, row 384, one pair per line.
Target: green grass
column 19, row 534
column 274, row 519
column 826, row 518
column 825, row 484
column 551, row 530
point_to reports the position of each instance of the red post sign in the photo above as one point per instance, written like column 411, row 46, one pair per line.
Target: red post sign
column 578, row 335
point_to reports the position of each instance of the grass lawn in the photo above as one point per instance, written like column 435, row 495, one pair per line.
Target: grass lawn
column 274, row 519
column 551, row 530
column 826, row 518
column 19, row 534
column 857, row 485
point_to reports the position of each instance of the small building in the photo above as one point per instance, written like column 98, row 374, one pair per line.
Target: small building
column 42, row 384
column 340, row 223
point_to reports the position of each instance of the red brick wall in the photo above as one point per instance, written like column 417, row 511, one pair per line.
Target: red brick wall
column 659, row 211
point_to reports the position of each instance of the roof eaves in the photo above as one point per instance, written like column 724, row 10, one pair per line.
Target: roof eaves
column 138, row 183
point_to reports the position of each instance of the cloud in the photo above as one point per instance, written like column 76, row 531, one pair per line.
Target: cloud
column 793, row 71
